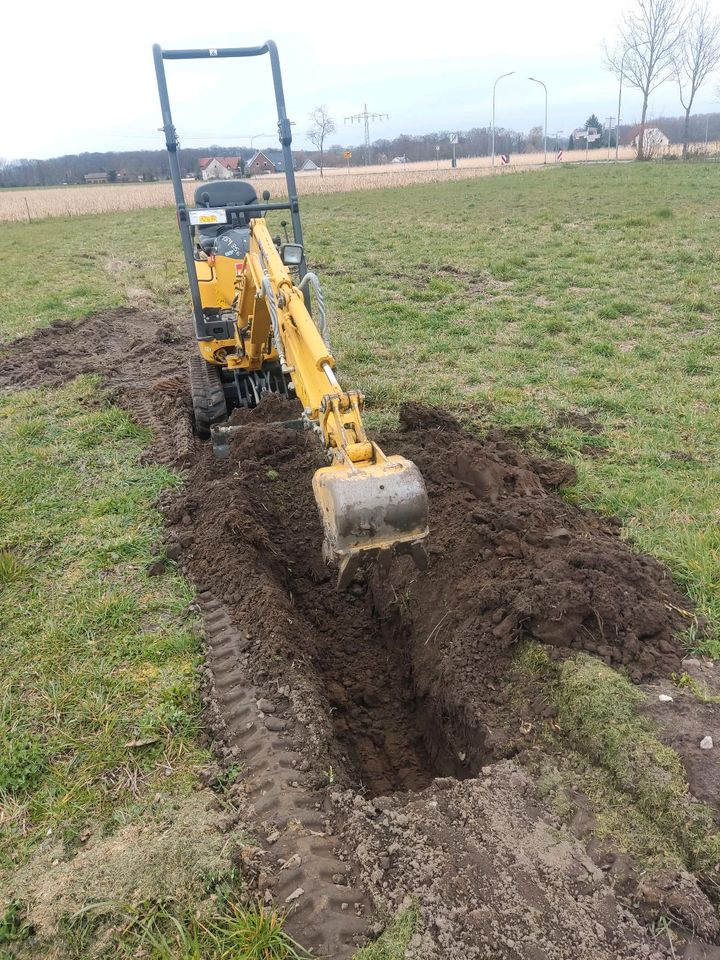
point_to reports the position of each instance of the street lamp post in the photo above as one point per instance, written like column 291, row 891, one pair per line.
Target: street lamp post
column 627, row 50
column 617, row 125
column 492, row 149
column 546, row 113
column 256, row 135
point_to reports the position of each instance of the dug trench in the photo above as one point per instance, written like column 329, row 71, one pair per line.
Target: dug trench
column 380, row 736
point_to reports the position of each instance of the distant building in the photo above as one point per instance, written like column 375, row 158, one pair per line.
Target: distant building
column 309, row 165
column 101, row 177
column 266, row 161
column 219, row 168
column 653, row 137
column 402, row 159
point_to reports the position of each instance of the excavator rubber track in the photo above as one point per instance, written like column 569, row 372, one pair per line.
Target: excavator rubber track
column 208, row 396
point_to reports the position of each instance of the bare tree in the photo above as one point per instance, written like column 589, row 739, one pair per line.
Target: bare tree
column 322, row 126
column 698, row 54
column 646, row 49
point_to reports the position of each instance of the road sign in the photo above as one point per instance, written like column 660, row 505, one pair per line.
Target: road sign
column 504, row 159
column 559, row 155
column 347, row 154
column 453, row 138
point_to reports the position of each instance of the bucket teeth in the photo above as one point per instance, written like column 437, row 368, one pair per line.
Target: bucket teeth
column 371, row 513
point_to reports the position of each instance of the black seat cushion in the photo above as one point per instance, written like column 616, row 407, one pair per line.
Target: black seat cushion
column 225, row 193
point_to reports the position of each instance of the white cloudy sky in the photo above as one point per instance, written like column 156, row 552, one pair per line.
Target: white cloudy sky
column 78, row 75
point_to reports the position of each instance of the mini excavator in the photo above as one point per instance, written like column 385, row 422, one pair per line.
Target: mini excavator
column 255, row 331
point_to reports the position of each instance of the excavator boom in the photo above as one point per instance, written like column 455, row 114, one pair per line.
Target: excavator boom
column 372, row 506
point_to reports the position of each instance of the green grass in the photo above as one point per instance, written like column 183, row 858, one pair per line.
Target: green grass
column 393, row 942
column 252, row 932
column 605, row 748
column 96, row 655
column 512, row 300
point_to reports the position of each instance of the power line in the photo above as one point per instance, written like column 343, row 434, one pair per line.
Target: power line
column 366, row 117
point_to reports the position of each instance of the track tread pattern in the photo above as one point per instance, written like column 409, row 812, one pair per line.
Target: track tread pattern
column 208, row 396
column 331, row 916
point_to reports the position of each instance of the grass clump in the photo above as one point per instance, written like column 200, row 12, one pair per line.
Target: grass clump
column 251, row 931
column 637, row 783
column 394, row 940
column 14, row 924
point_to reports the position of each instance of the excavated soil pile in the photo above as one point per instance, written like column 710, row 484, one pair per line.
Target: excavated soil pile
column 384, row 692
column 405, row 671
column 402, row 679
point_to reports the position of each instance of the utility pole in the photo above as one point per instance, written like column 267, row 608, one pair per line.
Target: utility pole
column 608, row 121
column 366, row 117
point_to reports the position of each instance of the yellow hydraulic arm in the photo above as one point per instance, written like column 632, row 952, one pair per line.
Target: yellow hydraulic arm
column 371, row 505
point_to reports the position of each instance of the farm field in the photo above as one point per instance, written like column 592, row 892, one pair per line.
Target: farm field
column 574, row 316
column 73, row 201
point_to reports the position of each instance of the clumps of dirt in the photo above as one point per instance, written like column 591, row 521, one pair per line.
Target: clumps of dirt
column 510, row 559
column 493, row 872
column 128, row 347
column 404, row 678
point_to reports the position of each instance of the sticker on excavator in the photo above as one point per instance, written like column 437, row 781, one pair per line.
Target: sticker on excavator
column 199, row 218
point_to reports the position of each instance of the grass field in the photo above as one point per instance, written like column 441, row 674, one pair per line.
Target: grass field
column 577, row 308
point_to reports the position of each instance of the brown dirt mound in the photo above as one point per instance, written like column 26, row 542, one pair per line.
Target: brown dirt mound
column 407, row 668
column 396, row 682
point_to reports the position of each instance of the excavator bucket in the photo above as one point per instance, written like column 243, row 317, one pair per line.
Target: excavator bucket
column 371, row 512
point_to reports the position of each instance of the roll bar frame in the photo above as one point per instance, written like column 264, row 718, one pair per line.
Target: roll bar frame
column 172, row 143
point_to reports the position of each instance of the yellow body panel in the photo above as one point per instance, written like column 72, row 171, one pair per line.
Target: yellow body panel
column 370, row 505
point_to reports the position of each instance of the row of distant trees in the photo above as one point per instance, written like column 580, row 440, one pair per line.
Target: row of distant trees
column 151, row 165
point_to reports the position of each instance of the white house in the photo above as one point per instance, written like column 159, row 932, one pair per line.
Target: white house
column 309, row 165
column 653, row 137
column 218, row 168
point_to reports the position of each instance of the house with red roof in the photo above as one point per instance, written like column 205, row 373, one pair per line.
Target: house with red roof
column 219, row 168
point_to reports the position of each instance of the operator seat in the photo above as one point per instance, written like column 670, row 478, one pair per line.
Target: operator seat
column 224, row 193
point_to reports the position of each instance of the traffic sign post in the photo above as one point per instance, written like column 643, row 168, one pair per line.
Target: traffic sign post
column 453, row 141
column 347, row 155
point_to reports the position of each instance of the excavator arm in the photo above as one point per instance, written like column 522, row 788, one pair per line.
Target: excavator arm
column 372, row 506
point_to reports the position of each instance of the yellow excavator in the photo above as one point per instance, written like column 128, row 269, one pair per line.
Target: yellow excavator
column 255, row 332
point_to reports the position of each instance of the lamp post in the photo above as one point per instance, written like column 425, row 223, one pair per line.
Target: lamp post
column 617, row 125
column 256, row 135
column 634, row 47
column 546, row 113
column 492, row 150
